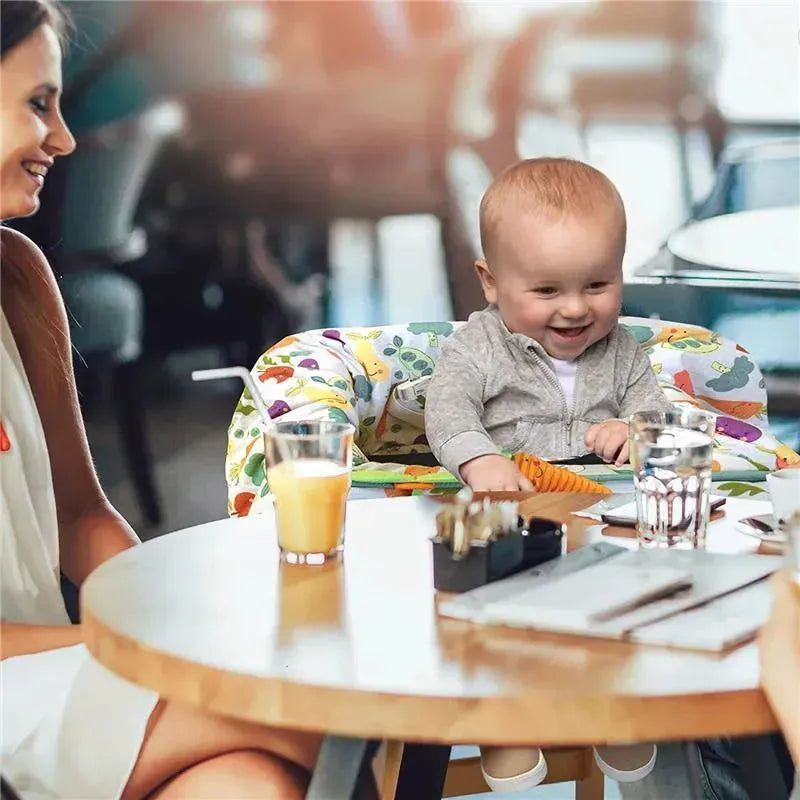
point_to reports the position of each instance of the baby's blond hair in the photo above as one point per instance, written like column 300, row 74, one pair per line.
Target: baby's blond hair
column 551, row 186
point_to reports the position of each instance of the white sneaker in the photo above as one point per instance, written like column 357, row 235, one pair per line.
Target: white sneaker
column 511, row 769
column 626, row 763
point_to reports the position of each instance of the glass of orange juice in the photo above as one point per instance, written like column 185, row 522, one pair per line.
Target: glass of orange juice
column 308, row 472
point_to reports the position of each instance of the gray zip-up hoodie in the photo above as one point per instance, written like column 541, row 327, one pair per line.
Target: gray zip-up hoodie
column 493, row 389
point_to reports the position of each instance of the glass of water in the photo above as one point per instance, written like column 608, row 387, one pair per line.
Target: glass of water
column 671, row 454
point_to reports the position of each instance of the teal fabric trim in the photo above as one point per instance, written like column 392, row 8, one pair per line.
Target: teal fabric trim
column 380, row 479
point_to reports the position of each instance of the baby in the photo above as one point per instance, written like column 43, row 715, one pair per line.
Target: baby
column 545, row 368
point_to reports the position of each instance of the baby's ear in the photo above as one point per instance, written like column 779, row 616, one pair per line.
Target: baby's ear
column 487, row 280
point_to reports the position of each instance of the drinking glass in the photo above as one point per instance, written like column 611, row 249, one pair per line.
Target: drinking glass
column 671, row 454
column 308, row 471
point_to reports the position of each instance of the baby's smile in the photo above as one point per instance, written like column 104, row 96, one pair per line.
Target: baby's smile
column 570, row 333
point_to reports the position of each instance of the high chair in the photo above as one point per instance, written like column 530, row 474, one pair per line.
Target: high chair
column 348, row 374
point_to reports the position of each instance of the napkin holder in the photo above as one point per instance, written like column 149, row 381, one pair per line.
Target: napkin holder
column 530, row 543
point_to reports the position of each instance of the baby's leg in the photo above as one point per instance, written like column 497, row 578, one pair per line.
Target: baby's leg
column 511, row 769
column 626, row 763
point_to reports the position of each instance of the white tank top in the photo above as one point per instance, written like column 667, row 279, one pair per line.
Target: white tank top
column 29, row 573
column 565, row 372
column 59, row 708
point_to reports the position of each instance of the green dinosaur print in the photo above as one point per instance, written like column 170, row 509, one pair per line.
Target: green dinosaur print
column 415, row 361
column 736, row 489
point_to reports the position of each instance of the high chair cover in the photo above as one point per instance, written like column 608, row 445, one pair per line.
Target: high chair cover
column 348, row 374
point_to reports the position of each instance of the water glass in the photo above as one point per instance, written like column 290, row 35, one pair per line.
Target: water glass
column 671, row 455
column 308, row 471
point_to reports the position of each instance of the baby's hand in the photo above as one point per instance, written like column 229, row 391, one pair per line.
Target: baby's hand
column 609, row 440
column 494, row 474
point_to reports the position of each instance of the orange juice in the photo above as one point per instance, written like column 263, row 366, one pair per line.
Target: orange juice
column 310, row 496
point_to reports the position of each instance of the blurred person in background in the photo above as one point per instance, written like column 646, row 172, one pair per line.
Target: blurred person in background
column 60, row 707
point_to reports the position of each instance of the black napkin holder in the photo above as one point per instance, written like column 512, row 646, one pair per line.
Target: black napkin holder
column 530, row 543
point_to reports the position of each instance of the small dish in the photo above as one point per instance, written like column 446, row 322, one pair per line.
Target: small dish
column 762, row 526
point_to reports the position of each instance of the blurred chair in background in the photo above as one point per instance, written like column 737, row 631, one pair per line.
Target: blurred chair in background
column 102, row 187
column 765, row 174
column 655, row 60
column 762, row 315
column 495, row 94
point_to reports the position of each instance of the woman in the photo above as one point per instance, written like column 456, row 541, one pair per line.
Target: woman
column 70, row 727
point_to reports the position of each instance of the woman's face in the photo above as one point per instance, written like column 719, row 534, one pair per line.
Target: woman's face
column 32, row 130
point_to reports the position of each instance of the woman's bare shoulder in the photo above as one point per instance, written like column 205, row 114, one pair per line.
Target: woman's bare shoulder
column 17, row 245
column 23, row 253
column 35, row 312
column 27, row 276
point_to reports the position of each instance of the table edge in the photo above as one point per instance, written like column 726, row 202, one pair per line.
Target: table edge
column 537, row 717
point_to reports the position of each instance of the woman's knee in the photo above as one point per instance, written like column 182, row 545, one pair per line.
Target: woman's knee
column 180, row 736
column 237, row 776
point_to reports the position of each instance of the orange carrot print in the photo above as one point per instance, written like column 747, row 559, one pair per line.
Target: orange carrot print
column 743, row 409
column 547, row 477
column 684, row 382
column 280, row 374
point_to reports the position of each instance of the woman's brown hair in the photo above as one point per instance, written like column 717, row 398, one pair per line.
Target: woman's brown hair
column 18, row 20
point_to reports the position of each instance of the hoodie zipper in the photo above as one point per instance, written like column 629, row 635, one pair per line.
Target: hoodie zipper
column 567, row 414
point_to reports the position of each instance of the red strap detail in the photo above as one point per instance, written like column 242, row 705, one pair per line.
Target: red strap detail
column 5, row 442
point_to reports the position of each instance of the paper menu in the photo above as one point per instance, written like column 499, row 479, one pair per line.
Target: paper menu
column 717, row 625
column 713, row 575
column 590, row 597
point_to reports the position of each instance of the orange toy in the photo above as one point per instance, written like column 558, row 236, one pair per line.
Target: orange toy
column 547, row 477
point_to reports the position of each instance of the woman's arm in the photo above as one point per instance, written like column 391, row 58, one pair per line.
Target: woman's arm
column 19, row 639
column 90, row 530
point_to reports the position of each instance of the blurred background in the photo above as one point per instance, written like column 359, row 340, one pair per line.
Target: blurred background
column 249, row 169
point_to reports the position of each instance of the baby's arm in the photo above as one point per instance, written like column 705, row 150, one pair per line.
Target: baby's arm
column 643, row 392
column 609, row 439
column 454, row 427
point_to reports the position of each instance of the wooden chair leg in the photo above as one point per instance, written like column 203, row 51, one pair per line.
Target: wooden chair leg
column 130, row 419
column 592, row 787
column 386, row 768
column 564, row 764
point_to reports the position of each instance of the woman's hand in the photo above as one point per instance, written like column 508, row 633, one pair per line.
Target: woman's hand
column 20, row 639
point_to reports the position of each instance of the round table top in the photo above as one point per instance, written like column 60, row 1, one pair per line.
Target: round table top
column 762, row 241
column 210, row 616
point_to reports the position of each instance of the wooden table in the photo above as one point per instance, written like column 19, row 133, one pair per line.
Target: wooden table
column 210, row 617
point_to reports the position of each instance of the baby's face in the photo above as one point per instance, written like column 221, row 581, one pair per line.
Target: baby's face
column 558, row 281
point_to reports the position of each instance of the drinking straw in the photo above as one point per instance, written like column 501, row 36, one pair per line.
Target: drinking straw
column 247, row 379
